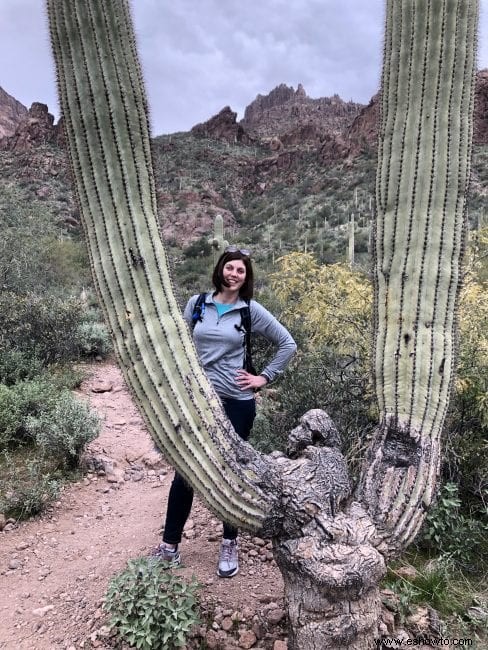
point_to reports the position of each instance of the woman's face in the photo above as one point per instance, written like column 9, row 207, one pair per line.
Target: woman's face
column 234, row 274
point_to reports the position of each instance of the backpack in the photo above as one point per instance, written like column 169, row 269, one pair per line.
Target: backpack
column 197, row 315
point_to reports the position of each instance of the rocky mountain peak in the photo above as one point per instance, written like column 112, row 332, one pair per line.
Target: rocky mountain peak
column 286, row 111
column 11, row 113
column 34, row 127
column 223, row 126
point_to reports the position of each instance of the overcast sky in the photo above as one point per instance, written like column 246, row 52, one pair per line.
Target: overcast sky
column 201, row 55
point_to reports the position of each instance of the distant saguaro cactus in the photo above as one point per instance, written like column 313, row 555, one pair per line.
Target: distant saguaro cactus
column 350, row 240
column 217, row 241
column 331, row 544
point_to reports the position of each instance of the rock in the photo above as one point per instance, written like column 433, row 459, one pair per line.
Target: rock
column 388, row 619
column 14, row 564
column 227, row 624
column 223, row 126
column 280, row 645
column 211, row 640
column 116, row 476
column 102, row 387
column 42, row 611
column 247, row 639
column 275, row 616
column 419, row 621
column 408, row 572
column 153, row 460
column 12, row 113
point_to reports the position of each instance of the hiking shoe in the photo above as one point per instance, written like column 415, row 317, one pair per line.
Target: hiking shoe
column 165, row 553
column 228, row 561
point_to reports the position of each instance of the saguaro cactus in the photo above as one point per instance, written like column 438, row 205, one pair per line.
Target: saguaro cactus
column 422, row 177
column 330, row 545
column 217, row 241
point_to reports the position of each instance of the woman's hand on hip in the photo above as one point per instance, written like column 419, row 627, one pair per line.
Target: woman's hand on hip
column 246, row 381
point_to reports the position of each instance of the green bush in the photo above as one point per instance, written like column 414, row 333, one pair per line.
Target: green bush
column 19, row 401
column 62, row 431
column 41, row 326
column 16, row 366
column 318, row 379
column 36, row 411
column 10, row 416
column 151, row 607
column 26, row 488
column 453, row 533
column 93, row 339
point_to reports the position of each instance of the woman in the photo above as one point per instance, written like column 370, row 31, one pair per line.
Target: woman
column 219, row 340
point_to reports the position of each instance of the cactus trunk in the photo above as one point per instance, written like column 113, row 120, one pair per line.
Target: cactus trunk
column 422, row 178
column 105, row 110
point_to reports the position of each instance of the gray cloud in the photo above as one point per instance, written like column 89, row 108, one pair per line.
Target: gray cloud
column 201, row 55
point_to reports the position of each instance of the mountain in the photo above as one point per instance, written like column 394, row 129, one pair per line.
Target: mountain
column 11, row 113
column 286, row 111
column 288, row 176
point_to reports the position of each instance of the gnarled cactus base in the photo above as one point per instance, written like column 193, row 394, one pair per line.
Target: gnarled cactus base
column 331, row 588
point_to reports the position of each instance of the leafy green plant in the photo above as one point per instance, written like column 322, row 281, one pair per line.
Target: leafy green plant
column 40, row 325
column 93, row 339
column 452, row 533
column 16, row 365
column 62, row 431
column 151, row 607
column 26, row 488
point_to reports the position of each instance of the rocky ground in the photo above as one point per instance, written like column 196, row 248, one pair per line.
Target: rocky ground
column 55, row 569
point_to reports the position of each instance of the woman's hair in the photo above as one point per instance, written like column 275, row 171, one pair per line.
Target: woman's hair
column 247, row 289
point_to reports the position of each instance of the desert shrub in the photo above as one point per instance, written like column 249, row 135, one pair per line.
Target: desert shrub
column 323, row 379
column 10, row 416
column 40, row 411
column 151, row 607
column 199, row 248
column 16, row 365
column 62, row 431
column 93, row 339
column 453, row 532
column 40, row 325
column 36, row 254
column 26, row 488
column 18, row 402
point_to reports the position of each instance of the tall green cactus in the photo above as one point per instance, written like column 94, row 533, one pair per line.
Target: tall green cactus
column 217, row 240
column 422, row 178
column 105, row 110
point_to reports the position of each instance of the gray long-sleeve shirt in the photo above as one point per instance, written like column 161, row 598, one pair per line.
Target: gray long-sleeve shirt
column 220, row 345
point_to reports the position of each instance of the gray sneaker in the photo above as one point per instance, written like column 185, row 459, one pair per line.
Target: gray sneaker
column 228, row 560
column 166, row 553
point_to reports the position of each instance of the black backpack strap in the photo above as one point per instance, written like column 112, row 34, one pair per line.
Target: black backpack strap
column 246, row 324
column 198, row 309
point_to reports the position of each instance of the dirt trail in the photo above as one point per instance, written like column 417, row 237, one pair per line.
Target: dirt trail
column 54, row 570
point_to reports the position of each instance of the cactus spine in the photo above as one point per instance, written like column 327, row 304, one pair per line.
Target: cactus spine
column 105, row 110
column 423, row 171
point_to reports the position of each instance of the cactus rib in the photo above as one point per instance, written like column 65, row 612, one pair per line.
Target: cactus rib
column 104, row 106
column 422, row 179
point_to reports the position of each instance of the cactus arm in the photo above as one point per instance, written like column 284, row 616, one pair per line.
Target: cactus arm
column 422, row 179
column 104, row 105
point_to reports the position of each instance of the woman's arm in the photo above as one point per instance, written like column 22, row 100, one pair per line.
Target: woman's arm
column 264, row 323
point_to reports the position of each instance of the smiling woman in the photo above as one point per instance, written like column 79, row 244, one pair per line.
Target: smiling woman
column 219, row 321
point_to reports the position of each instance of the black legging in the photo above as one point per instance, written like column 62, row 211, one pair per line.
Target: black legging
column 241, row 413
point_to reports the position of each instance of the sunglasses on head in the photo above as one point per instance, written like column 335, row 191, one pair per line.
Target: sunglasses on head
column 243, row 251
